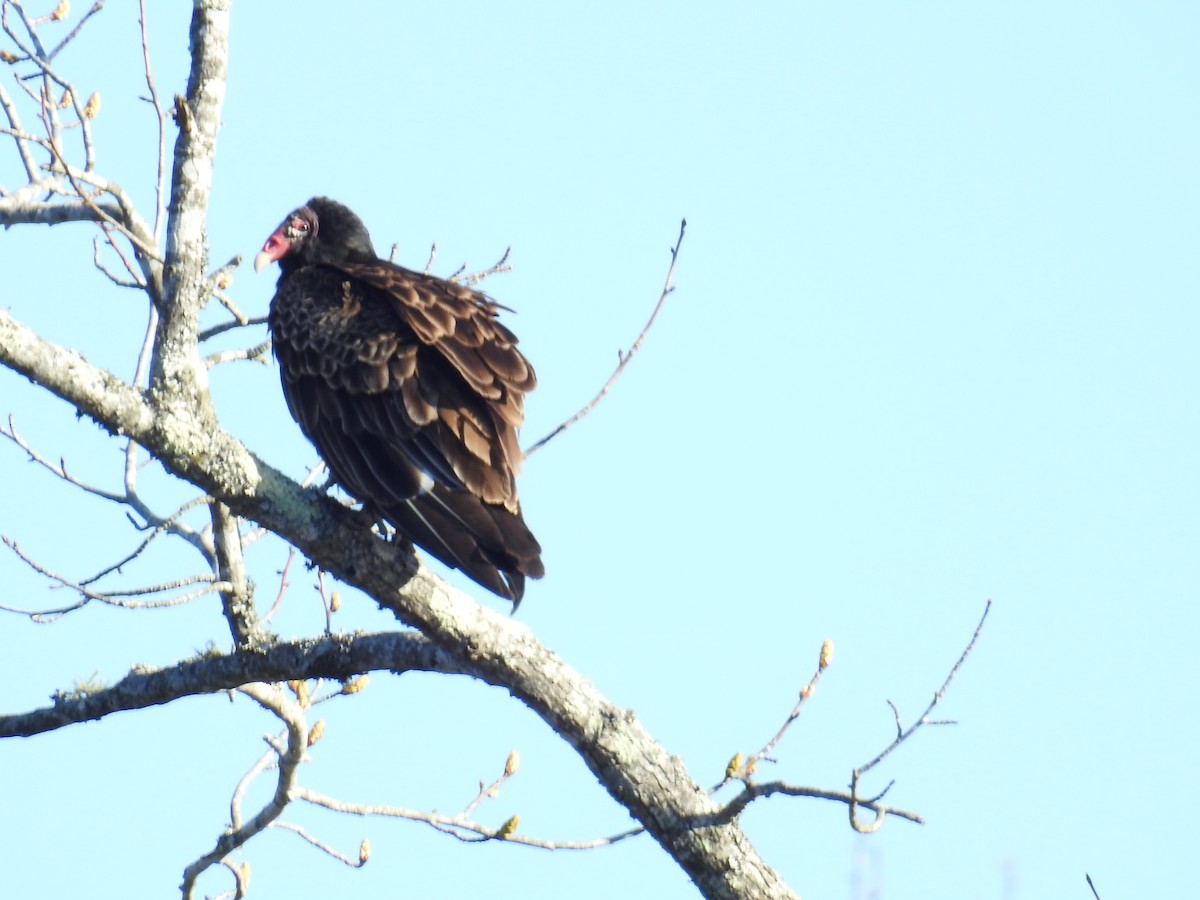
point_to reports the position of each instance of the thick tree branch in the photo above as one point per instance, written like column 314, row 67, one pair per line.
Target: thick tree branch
column 17, row 209
column 338, row 656
column 94, row 392
column 177, row 378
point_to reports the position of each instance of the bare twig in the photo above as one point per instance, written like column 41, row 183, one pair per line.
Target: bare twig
column 59, row 470
column 257, row 353
column 1092, row 886
column 138, row 279
column 87, row 594
column 16, row 130
column 224, row 300
column 241, row 880
column 823, row 661
column 229, row 326
column 743, row 771
column 237, row 597
column 104, row 270
column 158, row 529
column 222, row 278
column 460, row 276
column 160, row 115
column 903, row 734
column 464, row 830
column 501, row 265
column 753, row 791
column 207, row 579
column 74, row 33
column 283, row 586
column 269, row 760
column 623, row 357
column 130, row 498
column 354, row 863
column 326, row 601
column 493, row 789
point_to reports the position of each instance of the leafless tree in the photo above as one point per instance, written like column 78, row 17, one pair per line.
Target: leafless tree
column 166, row 413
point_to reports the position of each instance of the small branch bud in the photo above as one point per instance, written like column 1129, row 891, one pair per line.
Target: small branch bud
column 735, row 766
column 335, row 601
column 93, row 106
column 508, row 828
column 300, row 689
column 314, row 733
column 61, row 11
column 353, row 687
column 364, row 851
column 513, row 763
column 182, row 114
column 826, row 655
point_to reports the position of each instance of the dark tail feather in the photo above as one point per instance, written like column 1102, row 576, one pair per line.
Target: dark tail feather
column 489, row 544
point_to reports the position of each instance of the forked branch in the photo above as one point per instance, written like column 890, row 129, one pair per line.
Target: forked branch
column 903, row 734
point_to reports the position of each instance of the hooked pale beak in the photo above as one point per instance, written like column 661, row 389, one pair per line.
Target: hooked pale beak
column 273, row 250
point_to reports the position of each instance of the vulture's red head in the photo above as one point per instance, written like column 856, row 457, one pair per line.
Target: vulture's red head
column 321, row 231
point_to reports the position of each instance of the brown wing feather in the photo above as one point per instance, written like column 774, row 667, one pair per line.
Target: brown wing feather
column 462, row 325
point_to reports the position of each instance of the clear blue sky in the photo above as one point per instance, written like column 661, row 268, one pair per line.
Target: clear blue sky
column 933, row 342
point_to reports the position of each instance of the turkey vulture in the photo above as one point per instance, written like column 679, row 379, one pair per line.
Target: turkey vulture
column 410, row 389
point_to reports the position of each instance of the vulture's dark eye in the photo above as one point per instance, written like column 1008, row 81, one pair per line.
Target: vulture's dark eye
column 297, row 228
